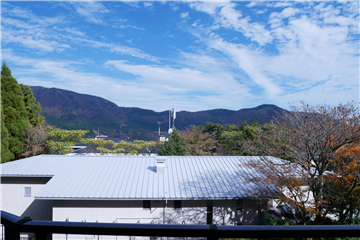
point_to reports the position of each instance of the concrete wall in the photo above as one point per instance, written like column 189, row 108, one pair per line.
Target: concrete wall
column 15, row 202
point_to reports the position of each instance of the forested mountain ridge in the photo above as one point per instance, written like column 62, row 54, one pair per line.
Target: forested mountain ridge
column 70, row 110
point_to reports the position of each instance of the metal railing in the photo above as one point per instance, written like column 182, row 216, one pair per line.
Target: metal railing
column 43, row 230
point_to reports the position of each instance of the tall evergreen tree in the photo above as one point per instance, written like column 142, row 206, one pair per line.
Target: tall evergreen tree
column 6, row 155
column 32, row 107
column 15, row 116
column 174, row 146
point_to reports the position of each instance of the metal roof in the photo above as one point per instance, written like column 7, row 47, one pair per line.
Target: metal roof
column 106, row 177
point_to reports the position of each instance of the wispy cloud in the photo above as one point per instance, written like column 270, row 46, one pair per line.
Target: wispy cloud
column 53, row 34
column 92, row 11
column 115, row 48
column 189, row 83
column 225, row 14
column 314, row 49
column 184, row 15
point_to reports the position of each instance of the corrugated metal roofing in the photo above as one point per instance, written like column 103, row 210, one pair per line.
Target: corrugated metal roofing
column 134, row 177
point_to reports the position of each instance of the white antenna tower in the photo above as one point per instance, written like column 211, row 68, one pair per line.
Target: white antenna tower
column 172, row 115
column 159, row 126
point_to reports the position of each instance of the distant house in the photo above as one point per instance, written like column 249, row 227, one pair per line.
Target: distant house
column 101, row 137
column 133, row 189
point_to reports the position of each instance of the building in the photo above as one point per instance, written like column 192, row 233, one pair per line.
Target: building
column 133, row 189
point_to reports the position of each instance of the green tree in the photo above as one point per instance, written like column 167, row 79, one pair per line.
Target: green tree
column 122, row 147
column 6, row 155
column 15, row 115
column 249, row 132
column 59, row 140
column 232, row 141
column 232, row 128
column 244, row 124
column 32, row 107
column 216, row 129
column 255, row 124
column 174, row 146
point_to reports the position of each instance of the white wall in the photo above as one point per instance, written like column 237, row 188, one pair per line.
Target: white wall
column 14, row 201
column 192, row 212
column 121, row 211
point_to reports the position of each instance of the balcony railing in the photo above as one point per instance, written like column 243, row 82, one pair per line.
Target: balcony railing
column 43, row 230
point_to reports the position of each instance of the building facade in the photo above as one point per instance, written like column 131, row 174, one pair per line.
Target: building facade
column 133, row 189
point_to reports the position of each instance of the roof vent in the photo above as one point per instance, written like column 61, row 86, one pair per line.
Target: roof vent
column 160, row 164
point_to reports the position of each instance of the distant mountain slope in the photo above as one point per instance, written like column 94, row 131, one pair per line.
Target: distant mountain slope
column 70, row 110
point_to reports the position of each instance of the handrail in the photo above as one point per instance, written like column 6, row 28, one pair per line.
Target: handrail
column 9, row 219
column 124, row 229
column 43, row 229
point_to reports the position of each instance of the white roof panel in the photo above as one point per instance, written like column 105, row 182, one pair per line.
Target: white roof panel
column 134, row 177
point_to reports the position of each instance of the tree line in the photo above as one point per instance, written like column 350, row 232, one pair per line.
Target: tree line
column 211, row 139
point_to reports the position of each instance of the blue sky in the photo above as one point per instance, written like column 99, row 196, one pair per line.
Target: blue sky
column 187, row 55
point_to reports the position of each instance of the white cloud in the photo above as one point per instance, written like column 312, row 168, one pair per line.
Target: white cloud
column 148, row 4
column 35, row 33
column 178, row 80
column 225, row 14
column 91, row 10
column 74, row 31
column 251, row 4
column 174, row 82
column 316, row 58
column 87, row 60
column 286, row 13
column 184, row 15
column 120, row 23
column 246, row 60
column 115, row 48
column 280, row 4
column 207, row 63
column 53, row 37
column 128, row 26
column 260, row 11
column 33, row 38
column 30, row 17
column 132, row 52
column 275, row 18
column 28, row 41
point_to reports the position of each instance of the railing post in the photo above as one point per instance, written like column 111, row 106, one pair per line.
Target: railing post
column 43, row 236
column 11, row 233
column 213, row 234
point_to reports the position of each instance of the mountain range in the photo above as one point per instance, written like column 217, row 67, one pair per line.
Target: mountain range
column 71, row 110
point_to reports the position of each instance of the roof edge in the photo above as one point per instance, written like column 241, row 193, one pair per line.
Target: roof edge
column 134, row 199
column 25, row 175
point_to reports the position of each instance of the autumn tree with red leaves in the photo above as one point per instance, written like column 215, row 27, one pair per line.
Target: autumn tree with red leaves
column 343, row 192
column 316, row 143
